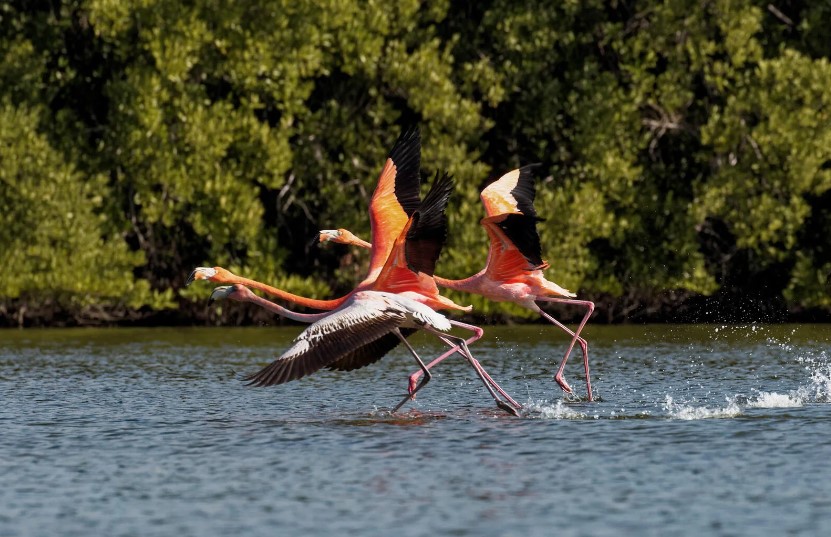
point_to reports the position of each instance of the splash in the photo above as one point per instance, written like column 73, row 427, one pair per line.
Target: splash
column 777, row 400
column 549, row 411
column 688, row 412
column 736, row 405
column 819, row 388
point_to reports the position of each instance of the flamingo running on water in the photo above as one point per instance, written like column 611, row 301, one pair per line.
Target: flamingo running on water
column 514, row 269
column 351, row 334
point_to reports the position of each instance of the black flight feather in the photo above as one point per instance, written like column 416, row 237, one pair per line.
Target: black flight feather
column 406, row 155
column 428, row 232
column 521, row 229
column 525, row 190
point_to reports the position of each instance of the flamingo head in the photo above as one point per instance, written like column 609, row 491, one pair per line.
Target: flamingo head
column 237, row 292
column 212, row 274
column 341, row 236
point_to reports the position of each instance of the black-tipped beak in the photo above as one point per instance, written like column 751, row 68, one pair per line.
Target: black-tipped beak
column 191, row 278
column 223, row 291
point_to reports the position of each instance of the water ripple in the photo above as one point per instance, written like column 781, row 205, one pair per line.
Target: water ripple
column 150, row 432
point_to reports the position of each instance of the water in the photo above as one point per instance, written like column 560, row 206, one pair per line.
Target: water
column 698, row 430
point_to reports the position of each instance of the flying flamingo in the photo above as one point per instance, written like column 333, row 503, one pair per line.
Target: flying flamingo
column 408, row 268
column 514, row 270
column 353, row 331
column 395, row 199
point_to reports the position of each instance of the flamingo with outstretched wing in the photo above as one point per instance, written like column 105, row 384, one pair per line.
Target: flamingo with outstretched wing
column 395, row 199
column 353, row 335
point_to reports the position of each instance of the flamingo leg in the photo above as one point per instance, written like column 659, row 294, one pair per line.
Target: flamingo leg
column 477, row 334
column 575, row 337
column 427, row 374
column 483, row 375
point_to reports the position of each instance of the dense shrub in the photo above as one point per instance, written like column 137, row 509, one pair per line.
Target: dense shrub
column 685, row 147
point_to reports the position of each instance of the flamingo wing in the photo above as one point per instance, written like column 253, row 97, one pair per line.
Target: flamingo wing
column 412, row 261
column 514, row 246
column 322, row 343
column 369, row 353
column 511, row 223
column 514, row 192
column 396, row 197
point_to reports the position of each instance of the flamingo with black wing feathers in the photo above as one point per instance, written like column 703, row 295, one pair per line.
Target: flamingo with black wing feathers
column 395, row 199
column 354, row 335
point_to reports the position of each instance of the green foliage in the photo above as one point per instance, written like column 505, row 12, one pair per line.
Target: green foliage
column 684, row 144
column 50, row 229
column 771, row 142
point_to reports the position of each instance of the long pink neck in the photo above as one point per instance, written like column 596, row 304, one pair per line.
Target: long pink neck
column 285, row 295
column 469, row 285
column 279, row 310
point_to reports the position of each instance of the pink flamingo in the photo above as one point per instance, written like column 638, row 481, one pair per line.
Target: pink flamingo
column 394, row 201
column 351, row 334
column 514, row 270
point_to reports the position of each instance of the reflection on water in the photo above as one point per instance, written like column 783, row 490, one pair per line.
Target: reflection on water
column 150, row 431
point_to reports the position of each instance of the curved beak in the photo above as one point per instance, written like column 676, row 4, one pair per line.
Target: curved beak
column 326, row 235
column 200, row 273
column 220, row 293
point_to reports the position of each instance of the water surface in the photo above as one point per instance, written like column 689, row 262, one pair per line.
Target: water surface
column 697, row 430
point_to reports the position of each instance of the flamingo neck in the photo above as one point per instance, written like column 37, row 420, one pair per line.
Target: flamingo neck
column 279, row 310
column 290, row 297
column 469, row 285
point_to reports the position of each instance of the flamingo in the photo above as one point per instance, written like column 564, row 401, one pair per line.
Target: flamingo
column 408, row 268
column 395, row 199
column 514, row 269
column 353, row 333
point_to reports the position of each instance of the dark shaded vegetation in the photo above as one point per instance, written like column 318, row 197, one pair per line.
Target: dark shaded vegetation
column 685, row 149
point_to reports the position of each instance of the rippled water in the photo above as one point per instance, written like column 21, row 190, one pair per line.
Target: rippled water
column 698, row 430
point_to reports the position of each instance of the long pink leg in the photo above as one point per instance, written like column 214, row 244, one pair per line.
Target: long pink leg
column 423, row 367
column 584, row 346
column 477, row 334
column 464, row 351
column 486, row 380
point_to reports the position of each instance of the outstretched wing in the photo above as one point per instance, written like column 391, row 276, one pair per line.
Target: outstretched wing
column 370, row 353
column 396, row 197
column 514, row 246
column 514, row 192
column 511, row 223
column 329, row 339
column 412, row 261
